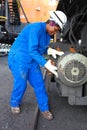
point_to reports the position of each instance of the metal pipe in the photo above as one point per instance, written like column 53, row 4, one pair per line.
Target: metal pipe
column 23, row 11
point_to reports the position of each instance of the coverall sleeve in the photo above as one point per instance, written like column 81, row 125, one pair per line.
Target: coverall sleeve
column 33, row 47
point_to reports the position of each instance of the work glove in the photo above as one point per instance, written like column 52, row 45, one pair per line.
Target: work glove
column 54, row 52
column 51, row 68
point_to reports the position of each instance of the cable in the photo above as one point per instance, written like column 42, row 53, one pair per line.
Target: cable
column 72, row 38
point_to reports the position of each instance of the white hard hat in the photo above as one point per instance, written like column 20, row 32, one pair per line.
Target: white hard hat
column 58, row 17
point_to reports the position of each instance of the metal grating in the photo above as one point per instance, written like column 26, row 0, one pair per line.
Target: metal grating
column 75, row 71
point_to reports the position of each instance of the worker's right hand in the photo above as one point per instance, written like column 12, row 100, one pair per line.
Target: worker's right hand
column 51, row 68
column 54, row 52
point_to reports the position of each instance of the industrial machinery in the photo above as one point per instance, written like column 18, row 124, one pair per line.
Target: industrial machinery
column 72, row 66
column 10, row 23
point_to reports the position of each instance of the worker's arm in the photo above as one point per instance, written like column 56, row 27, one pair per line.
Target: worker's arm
column 33, row 47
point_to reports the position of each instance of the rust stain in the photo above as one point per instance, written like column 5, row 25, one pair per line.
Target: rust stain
column 71, row 49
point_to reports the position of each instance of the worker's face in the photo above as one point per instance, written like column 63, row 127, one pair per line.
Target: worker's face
column 53, row 30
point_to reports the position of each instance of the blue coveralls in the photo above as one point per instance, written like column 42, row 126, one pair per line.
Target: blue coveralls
column 24, row 59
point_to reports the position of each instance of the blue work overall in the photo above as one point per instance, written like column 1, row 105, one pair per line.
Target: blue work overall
column 24, row 60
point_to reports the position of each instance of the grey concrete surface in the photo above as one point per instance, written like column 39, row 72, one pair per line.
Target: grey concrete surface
column 8, row 121
column 66, row 117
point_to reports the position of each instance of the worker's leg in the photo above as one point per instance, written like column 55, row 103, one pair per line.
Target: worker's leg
column 20, row 82
column 36, row 80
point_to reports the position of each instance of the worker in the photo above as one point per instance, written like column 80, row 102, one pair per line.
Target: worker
column 26, row 57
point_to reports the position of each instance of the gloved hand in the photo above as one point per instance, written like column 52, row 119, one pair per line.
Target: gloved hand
column 51, row 68
column 54, row 52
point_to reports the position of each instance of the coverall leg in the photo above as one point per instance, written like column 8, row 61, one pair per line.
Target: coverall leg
column 37, row 82
column 20, row 74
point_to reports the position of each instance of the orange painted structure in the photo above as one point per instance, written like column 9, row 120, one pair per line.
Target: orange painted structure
column 37, row 10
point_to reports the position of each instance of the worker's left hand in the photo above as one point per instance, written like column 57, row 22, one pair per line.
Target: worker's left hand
column 51, row 68
column 54, row 52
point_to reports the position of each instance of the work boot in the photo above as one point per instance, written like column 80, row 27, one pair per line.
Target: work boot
column 48, row 115
column 15, row 110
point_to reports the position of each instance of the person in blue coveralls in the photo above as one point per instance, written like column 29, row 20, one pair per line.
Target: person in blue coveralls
column 26, row 57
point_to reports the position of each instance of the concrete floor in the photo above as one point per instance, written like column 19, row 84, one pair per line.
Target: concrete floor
column 7, row 120
column 67, row 117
